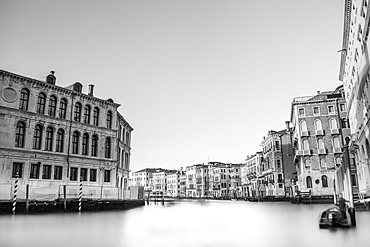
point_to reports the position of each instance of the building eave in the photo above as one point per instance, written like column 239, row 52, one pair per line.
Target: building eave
column 346, row 30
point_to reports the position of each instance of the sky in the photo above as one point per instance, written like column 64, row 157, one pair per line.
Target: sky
column 198, row 80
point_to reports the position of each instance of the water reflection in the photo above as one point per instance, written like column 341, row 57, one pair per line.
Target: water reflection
column 185, row 223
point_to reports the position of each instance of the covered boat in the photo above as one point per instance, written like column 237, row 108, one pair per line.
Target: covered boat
column 332, row 217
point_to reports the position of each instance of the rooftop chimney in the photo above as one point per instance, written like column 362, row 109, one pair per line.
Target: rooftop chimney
column 318, row 92
column 51, row 79
column 287, row 125
column 91, row 90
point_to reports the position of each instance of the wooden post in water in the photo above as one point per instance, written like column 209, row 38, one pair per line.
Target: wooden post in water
column 162, row 197
column 80, row 196
column 27, row 196
column 65, row 197
column 15, row 194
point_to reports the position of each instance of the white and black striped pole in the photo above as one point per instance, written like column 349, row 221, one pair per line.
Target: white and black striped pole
column 80, row 196
column 15, row 194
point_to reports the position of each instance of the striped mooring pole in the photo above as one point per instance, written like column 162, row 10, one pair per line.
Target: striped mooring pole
column 15, row 194
column 80, row 196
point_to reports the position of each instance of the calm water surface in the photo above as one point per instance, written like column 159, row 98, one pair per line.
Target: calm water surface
column 185, row 223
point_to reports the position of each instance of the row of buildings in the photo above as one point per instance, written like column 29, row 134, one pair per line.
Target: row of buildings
column 326, row 132
column 305, row 157
column 52, row 136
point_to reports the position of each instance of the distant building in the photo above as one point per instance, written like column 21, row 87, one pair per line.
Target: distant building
column 320, row 131
column 277, row 156
column 354, row 73
column 144, row 178
column 52, row 136
column 251, row 170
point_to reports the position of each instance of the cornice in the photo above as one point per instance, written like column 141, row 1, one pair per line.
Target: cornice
column 67, row 92
column 346, row 30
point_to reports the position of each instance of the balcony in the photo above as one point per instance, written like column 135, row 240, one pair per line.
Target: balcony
column 305, row 133
column 334, row 131
column 337, row 150
column 321, row 151
column 319, row 132
column 299, row 152
column 307, row 152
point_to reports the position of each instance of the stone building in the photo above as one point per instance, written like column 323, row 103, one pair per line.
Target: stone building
column 354, row 73
column 276, row 162
column 251, row 170
column 320, row 128
column 52, row 136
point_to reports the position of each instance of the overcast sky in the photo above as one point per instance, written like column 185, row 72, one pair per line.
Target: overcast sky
column 198, row 80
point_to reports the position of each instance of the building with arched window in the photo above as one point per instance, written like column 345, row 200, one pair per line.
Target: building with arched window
column 354, row 73
column 53, row 135
column 319, row 139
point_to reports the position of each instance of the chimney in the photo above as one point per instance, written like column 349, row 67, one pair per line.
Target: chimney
column 318, row 92
column 51, row 79
column 287, row 125
column 91, row 90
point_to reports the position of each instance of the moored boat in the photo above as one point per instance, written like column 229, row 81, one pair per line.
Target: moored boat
column 332, row 217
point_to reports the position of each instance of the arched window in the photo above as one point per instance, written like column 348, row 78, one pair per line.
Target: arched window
column 333, row 123
column 75, row 142
column 85, row 144
column 40, row 106
column 123, row 160
column 126, row 162
column 307, row 164
column 60, row 141
column 324, row 181
column 323, row 165
column 336, row 142
column 23, row 100
column 345, row 123
column 20, row 134
column 52, row 106
column 127, row 138
column 94, row 146
column 309, row 182
column 37, row 137
column 63, row 108
column 107, row 147
column 303, row 126
column 96, row 116
column 87, row 112
column 305, row 145
column 318, row 125
column 109, row 119
column 367, row 148
column 320, row 143
column 77, row 113
column 49, row 139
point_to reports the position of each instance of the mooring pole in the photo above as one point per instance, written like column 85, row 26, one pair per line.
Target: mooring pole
column 27, row 196
column 80, row 196
column 65, row 197
column 15, row 194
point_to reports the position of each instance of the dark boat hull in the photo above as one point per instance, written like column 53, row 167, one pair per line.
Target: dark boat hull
column 332, row 217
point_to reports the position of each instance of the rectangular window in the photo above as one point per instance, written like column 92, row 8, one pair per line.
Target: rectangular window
column 330, row 109
column 17, row 170
column 353, row 180
column 74, row 174
column 278, row 164
column 83, row 174
column 107, row 176
column 58, row 172
column 46, row 171
column 301, row 112
column 342, row 107
column 277, row 145
column 316, row 111
column 35, row 171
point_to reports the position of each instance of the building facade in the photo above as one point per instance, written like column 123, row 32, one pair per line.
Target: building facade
column 53, row 136
column 320, row 131
column 354, row 73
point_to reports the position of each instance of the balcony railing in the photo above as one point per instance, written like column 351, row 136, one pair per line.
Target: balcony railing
column 305, row 133
column 337, row 150
column 321, row 151
column 334, row 131
column 319, row 132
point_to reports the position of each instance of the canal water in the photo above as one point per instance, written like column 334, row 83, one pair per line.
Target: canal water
column 185, row 223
